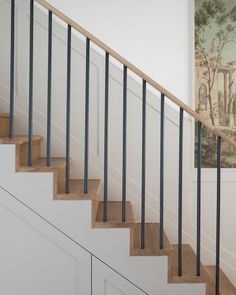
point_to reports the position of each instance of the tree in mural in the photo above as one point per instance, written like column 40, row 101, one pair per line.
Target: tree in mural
column 213, row 12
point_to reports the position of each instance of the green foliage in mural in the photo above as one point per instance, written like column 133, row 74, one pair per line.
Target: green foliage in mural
column 213, row 14
column 215, row 51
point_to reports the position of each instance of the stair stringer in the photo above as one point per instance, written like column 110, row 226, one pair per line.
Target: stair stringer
column 74, row 218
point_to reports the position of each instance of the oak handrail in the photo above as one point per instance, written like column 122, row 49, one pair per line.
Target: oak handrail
column 135, row 70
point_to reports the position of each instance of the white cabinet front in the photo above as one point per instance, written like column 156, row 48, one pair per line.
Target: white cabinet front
column 106, row 281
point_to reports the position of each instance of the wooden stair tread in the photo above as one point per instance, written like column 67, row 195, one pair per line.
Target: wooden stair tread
column 4, row 115
column 114, row 215
column 19, row 139
column 77, row 190
column 189, row 267
column 152, row 241
column 4, row 124
column 226, row 287
column 39, row 165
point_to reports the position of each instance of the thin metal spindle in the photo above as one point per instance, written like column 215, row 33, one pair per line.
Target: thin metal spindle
column 12, row 69
column 48, row 158
column 67, row 189
column 31, row 67
column 162, row 172
column 86, row 145
column 143, row 189
column 124, row 144
column 180, row 209
column 106, row 136
column 199, row 166
column 218, row 215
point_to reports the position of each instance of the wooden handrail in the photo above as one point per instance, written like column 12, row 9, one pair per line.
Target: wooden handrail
column 135, row 70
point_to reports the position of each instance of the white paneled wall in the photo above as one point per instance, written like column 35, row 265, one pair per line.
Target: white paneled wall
column 35, row 258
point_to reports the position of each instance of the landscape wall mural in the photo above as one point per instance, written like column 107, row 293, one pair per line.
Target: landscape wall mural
column 215, row 75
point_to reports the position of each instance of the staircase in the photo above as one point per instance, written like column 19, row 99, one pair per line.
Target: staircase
column 146, row 239
column 152, row 230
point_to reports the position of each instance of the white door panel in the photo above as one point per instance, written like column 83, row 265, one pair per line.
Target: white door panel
column 106, row 281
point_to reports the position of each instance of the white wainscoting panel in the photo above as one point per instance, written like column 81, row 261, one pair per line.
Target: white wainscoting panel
column 106, row 281
column 37, row 259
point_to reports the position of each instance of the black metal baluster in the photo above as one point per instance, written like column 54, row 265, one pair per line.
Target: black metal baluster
column 218, row 215
column 31, row 67
column 162, row 172
column 143, row 186
column 180, row 209
column 199, row 166
column 48, row 157
column 67, row 189
column 12, row 69
column 124, row 144
column 106, row 136
column 86, row 144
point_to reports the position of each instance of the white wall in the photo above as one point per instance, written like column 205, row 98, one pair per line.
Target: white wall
column 155, row 35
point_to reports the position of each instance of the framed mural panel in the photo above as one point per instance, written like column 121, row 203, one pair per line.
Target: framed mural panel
column 215, row 75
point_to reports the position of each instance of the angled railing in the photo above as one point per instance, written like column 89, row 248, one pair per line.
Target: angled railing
column 52, row 11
